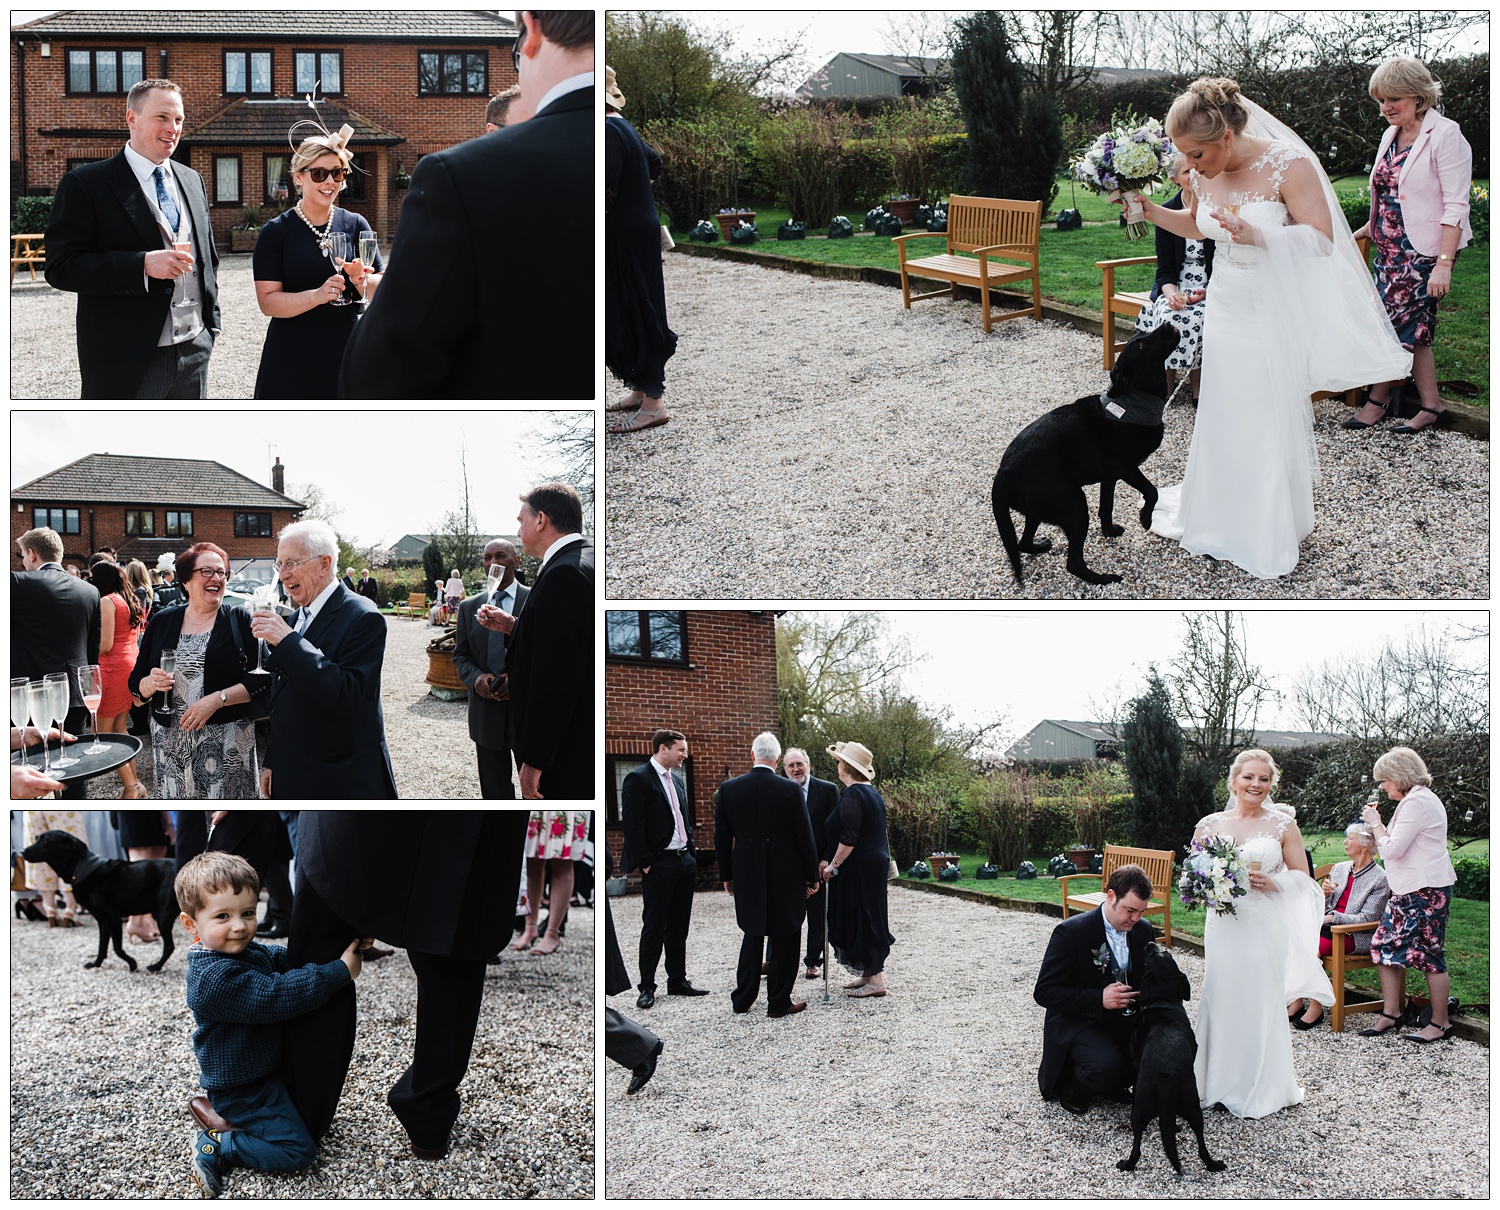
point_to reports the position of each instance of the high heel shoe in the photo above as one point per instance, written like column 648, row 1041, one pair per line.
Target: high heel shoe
column 1385, row 411
column 1444, row 418
column 552, row 937
column 1372, row 1032
column 1443, row 1037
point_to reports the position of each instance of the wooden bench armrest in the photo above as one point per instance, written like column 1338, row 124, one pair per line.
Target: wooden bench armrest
column 1367, row 927
column 1129, row 260
column 896, row 239
column 1067, row 877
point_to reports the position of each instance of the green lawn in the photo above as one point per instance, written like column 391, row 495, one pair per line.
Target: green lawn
column 1069, row 275
column 1466, row 948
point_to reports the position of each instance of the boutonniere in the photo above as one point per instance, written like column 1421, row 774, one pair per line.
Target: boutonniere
column 1105, row 960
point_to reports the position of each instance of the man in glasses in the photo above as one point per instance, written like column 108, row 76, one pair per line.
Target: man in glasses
column 460, row 296
column 327, row 728
column 130, row 236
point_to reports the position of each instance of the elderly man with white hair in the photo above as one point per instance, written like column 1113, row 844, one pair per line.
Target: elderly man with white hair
column 769, row 862
column 327, row 728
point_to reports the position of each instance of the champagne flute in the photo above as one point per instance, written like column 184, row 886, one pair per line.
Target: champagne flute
column 1254, row 867
column 1120, row 977
column 183, row 245
column 19, row 709
column 58, row 696
column 369, row 249
column 492, row 577
column 263, row 600
column 91, row 687
column 36, row 710
column 169, row 666
column 1231, row 205
column 338, row 252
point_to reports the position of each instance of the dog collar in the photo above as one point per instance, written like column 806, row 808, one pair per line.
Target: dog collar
column 1132, row 407
column 87, row 867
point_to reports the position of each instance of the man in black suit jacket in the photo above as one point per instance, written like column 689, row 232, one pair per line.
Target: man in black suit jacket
column 479, row 658
column 368, row 586
column 327, row 727
column 441, row 885
column 461, row 296
column 657, row 818
column 820, row 799
column 550, row 660
column 1086, row 1034
column 54, row 625
column 769, row 863
column 348, row 580
column 147, row 315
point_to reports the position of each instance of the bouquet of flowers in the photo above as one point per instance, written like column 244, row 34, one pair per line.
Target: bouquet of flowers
column 1130, row 157
column 1213, row 876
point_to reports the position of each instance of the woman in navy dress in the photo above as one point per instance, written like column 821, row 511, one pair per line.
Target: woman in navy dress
column 297, row 283
column 858, row 931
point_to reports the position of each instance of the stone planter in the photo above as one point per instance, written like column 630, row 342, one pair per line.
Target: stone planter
column 728, row 222
column 904, row 209
column 443, row 676
column 939, row 860
column 243, row 241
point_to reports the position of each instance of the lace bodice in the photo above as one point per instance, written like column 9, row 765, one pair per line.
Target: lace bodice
column 1263, row 844
column 1256, row 189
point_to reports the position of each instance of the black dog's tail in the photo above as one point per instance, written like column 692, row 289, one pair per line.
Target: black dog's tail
column 998, row 502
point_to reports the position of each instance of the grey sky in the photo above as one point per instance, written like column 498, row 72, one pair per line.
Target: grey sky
column 392, row 472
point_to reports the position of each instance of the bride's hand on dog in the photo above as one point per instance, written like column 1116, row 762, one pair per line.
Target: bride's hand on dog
column 1119, row 995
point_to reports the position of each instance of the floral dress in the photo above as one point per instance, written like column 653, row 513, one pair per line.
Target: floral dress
column 217, row 761
column 1401, row 271
column 1189, row 320
column 558, row 834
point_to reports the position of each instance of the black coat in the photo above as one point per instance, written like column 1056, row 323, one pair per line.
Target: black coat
column 1171, row 251
column 490, row 292
column 765, row 848
column 551, row 665
column 224, row 664
column 54, row 625
column 646, row 816
column 822, row 801
column 97, row 238
column 1070, row 986
column 476, row 651
column 327, row 727
column 369, row 587
column 438, row 882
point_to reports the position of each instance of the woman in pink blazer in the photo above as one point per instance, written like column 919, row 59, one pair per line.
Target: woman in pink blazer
column 1419, row 219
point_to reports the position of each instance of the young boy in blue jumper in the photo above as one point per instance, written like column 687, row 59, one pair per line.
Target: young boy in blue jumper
column 240, row 992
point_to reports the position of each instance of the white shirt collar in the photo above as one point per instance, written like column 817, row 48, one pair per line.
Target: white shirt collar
column 322, row 599
column 565, row 540
column 661, row 771
column 501, row 593
column 584, row 79
column 145, row 173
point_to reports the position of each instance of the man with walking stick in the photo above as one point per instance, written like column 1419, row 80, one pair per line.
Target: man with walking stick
column 819, row 799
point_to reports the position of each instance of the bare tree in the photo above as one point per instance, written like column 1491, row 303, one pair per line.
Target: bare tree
column 834, row 664
column 1058, row 47
column 565, row 447
column 458, row 537
column 1215, row 689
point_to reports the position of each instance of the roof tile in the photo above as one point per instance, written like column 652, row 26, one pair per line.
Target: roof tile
column 129, row 479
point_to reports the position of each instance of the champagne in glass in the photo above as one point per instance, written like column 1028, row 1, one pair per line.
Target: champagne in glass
column 183, row 245
column 338, row 252
column 169, row 666
column 91, row 687
column 263, row 600
column 19, row 709
column 369, row 249
column 36, row 710
column 492, row 578
column 59, row 694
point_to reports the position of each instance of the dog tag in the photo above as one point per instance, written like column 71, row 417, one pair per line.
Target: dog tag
column 1114, row 409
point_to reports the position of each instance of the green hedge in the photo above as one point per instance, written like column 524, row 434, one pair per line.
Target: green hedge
column 1473, row 879
column 31, row 215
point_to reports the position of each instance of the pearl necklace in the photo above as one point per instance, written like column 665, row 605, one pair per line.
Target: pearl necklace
column 325, row 239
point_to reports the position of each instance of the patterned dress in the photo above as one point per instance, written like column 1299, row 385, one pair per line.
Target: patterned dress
column 41, row 877
column 557, row 834
column 217, row 762
column 1189, row 320
column 1401, row 271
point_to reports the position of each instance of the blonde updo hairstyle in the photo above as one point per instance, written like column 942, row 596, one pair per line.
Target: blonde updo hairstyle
column 1210, row 107
column 309, row 152
column 1244, row 758
column 1404, row 76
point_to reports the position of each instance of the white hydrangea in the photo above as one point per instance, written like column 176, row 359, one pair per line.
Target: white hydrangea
column 1135, row 161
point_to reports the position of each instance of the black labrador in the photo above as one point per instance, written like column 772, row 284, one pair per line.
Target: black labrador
column 1163, row 1048
column 112, row 890
column 1098, row 439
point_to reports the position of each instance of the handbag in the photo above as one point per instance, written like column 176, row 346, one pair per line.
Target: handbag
column 893, row 872
column 667, row 243
column 17, row 873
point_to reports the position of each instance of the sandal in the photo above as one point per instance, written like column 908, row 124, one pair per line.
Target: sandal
column 540, row 952
column 857, row 983
column 525, row 943
column 641, row 420
column 867, row 992
column 1444, row 417
column 630, row 403
column 135, row 791
column 1372, row 1032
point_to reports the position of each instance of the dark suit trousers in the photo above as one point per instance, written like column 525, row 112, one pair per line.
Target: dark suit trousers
column 1096, row 1061
column 780, row 954
column 179, row 371
column 494, row 772
column 317, row 1046
column 666, row 913
column 627, row 1042
column 815, row 909
column 425, row 1098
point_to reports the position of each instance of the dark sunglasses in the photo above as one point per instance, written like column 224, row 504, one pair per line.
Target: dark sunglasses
column 322, row 174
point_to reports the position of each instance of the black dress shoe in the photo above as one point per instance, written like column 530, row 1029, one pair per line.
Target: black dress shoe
column 796, row 1006
column 272, row 933
column 1071, row 1097
column 647, row 997
column 427, row 1153
column 685, row 988
column 642, row 1073
column 1299, row 1023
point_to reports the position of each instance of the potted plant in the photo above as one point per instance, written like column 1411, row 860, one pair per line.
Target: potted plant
column 442, row 675
column 402, row 178
column 731, row 217
column 903, row 207
column 243, row 234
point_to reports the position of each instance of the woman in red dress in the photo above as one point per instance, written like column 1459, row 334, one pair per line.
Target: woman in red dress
column 120, row 624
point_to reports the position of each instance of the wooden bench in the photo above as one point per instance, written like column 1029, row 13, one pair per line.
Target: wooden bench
column 1158, row 866
column 1338, row 963
column 997, row 232
column 415, row 607
column 27, row 250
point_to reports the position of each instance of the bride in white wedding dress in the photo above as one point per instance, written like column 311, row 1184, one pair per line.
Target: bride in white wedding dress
column 1291, row 310
column 1260, row 958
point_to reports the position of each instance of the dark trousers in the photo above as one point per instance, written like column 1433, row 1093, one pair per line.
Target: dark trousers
column 494, row 772
column 1097, row 1062
column 815, row 910
column 425, row 1098
column 179, row 371
column 267, row 1133
column 779, row 953
column 666, row 913
column 278, row 894
column 627, row 1042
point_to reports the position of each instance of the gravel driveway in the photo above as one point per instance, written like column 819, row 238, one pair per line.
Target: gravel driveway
column 431, row 752
column 102, row 1066
column 931, row 1091
column 44, row 350
column 825, row 443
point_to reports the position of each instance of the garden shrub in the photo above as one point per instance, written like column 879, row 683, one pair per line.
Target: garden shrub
column 803, row 148
column 700, row 167
column 31, row 215
column 1473, row 878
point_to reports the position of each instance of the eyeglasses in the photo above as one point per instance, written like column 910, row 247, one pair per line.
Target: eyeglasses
column 322, row 174
column 515, row 51
column 212, row 573
column 285, row 567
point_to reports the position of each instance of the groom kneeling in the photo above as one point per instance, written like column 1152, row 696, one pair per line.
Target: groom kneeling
column 1086, row 986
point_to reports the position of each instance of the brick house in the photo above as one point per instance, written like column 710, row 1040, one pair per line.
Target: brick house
column 710, row 674
column 145, row 507
column 408, row 81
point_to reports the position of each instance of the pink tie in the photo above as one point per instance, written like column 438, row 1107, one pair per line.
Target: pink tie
column 680, row 834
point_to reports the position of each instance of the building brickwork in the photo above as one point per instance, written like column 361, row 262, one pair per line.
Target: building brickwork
column 720, row 698
column 50, row 129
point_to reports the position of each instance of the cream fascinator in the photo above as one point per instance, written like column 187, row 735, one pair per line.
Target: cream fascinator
column 336, row 143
